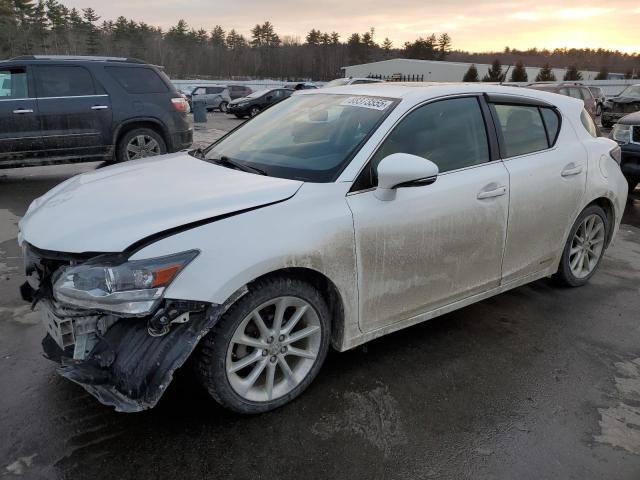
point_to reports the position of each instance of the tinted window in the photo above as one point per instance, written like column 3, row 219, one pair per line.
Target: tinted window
column 138, row 79
column 63, row 81
column 522, row 129
column 214, row 90
column 450, row 133
column 13, row 83
column 588, row 123
column 552, row 123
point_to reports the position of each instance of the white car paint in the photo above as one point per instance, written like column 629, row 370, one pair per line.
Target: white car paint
column 394, row 263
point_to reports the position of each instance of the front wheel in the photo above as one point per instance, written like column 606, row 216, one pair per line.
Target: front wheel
column 584, row 248
column 267, row 348
column 254, row 111
column 140, row 143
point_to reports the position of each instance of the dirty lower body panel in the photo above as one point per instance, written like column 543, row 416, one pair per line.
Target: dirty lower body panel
column 125, row 366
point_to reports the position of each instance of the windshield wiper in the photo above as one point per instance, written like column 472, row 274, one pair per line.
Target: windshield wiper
column 227, row 162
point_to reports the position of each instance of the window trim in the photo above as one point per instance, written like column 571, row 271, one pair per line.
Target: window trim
column 514, row 102
column 492, row 140
column 36, row 75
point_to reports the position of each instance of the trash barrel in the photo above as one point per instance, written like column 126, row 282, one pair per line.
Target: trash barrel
column 199, row 111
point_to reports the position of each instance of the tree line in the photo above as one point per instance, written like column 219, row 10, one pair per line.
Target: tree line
column 545, row 74
column 49, row 27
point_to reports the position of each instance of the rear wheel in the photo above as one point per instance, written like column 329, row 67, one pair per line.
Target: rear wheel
column 584, row 248
column 267, row 348
column 223, row 106
column 140, row 143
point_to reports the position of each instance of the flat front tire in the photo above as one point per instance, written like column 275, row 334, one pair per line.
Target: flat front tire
column 267, row 348
column 584, row 248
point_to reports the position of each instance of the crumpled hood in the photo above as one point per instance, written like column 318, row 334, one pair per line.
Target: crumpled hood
column 109, row 209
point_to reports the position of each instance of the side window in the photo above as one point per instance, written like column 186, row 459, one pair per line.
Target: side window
column 552, row 123
column 138, row 79
column 63, row 81
column 588, row 123
column 522, row 129
column 451, row 133
column 575, row 93
column 200, row 91
column 13, row 83
column 564, row 91
column 586, row 94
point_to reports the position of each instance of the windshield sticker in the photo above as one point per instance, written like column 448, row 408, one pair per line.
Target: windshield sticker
column 367, row 102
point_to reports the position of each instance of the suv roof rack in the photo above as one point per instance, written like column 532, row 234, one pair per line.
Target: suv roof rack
column 79, row 57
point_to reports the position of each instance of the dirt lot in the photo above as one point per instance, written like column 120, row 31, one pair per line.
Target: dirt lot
column 536, row 383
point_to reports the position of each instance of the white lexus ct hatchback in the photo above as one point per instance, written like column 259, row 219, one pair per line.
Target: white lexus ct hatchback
column 335, row 217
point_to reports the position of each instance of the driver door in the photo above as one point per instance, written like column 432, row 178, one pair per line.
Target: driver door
column 437, row 244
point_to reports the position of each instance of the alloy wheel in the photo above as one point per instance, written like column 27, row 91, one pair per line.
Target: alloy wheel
column 142, row 146
column 273, row 349
column 587, row 246
column 255, row 111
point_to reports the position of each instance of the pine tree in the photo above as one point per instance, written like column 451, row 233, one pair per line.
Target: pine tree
column 218, row 37
column 546, row 74
column 572, row 74
column 471, row 75
column 444, row 46
column 494, row 74
column 93, row 34
column 519, row 73
column 603, row 74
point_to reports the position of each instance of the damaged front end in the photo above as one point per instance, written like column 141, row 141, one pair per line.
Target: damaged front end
column 110, row 327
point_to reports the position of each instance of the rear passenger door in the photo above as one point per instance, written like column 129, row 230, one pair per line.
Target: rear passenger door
column 547, row 174
column 75, row 113
column 19, row 124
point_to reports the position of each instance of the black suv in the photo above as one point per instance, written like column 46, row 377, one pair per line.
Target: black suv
column 77, row 109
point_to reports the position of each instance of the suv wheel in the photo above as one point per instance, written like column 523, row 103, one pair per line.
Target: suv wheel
column 584, row 248
column 267, row 348
column 140, row 143
column 223, row 107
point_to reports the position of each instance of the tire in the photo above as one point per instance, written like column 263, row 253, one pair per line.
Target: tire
column 571, row 276
column 632, row 186
column 220, row 353
column 254, row 111
column 223, row 107
column 131, row 141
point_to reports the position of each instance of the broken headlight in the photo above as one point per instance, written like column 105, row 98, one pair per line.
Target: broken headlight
column 110, row 284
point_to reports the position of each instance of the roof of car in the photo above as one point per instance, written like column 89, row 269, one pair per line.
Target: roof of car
column 416, row 92
column 76, row 59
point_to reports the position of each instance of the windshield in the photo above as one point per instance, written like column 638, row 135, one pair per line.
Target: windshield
column 631, row 91
column 306, row 137
column 338, row 82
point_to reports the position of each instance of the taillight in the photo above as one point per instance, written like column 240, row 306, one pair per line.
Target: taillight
column 180, row 104
column 616, row 154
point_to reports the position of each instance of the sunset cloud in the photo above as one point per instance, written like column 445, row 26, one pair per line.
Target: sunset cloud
column 477, row 26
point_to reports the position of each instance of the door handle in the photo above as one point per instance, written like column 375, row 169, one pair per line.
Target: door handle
column 23, row 110
column 571, row 170
column 99, row 107
column 498, row 192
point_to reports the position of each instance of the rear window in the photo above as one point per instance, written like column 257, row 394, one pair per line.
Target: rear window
column 63, row 81
column 522, row 129
column 551, row 123
column 138, row 79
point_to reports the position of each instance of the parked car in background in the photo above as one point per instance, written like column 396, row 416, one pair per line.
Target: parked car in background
column 340, row 82
column 300, row 85
column 600, row 98
column 56, row 109
column 574, row 90
column 617, row 107
column 253, row 104
column 215, row 97
column 266, row 248
column 627, row 133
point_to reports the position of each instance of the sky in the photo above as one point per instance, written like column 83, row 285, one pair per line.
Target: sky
column 475, row 26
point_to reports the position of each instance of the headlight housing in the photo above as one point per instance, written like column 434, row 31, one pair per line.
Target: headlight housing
column 113, row 284
column 621, row 133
